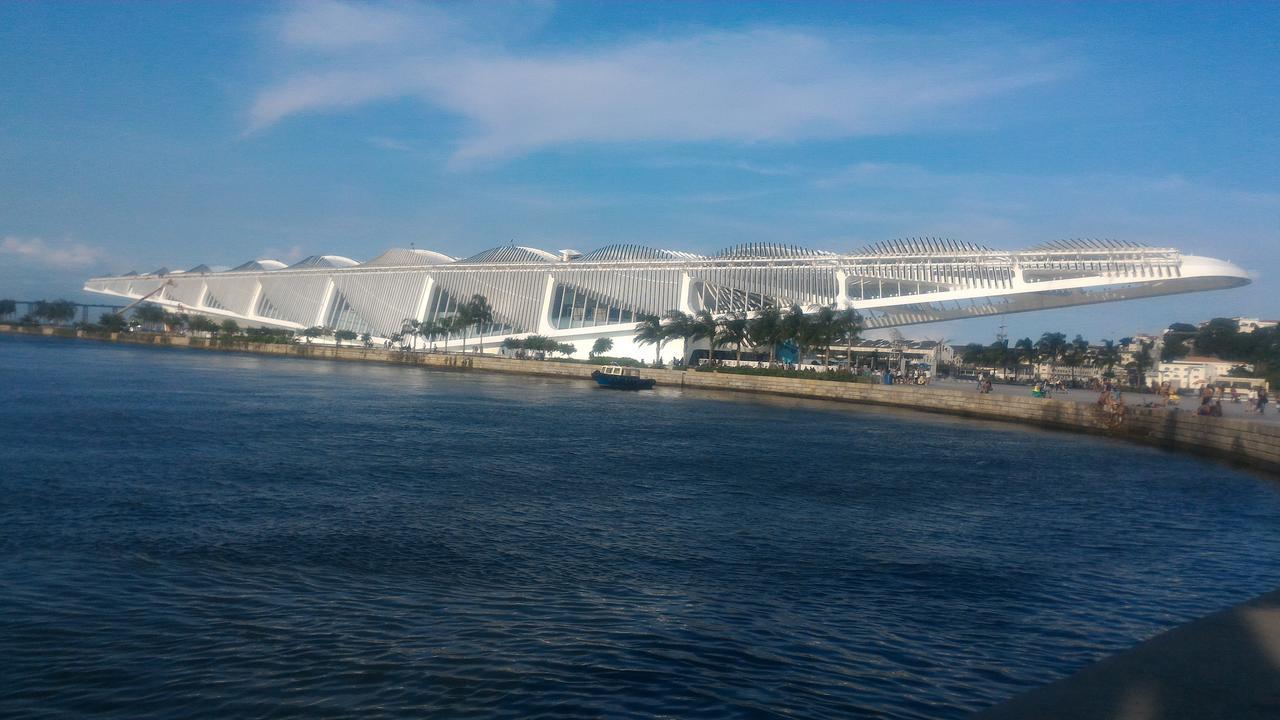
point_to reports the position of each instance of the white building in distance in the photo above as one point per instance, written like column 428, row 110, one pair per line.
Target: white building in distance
column 577, row 298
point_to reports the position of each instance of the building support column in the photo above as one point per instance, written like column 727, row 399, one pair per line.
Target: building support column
column 420, row 311
column 323, row 312
column 544, row 312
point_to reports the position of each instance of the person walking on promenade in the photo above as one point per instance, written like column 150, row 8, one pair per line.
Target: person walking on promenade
column 1262, row 401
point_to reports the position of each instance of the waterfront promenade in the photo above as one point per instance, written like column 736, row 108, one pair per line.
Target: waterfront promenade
column 1241, row 410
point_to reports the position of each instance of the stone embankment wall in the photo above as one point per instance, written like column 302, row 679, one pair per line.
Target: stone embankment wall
column 1245, row 442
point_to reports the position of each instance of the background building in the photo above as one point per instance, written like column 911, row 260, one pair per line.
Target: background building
column 577, row 298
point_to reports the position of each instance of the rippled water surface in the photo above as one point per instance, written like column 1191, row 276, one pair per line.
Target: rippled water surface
column 217, row 535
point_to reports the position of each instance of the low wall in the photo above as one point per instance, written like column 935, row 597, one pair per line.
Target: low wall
column 1248, row 443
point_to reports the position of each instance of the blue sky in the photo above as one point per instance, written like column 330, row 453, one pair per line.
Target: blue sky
column 134, row 136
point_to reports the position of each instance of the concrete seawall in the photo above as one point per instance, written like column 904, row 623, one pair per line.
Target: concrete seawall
column 1244, row 442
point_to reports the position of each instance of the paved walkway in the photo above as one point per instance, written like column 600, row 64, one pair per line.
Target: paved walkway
column 1225, row 666
column 1241, row 410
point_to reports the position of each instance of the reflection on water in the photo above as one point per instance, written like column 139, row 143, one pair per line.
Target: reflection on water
column 213, row 535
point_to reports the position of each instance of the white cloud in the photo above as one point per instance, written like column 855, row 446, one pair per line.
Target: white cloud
column 386, row 143
column 288, row 257
column 43, row 252
column 767, row 84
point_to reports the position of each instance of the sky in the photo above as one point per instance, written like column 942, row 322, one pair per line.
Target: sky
column 135, row 136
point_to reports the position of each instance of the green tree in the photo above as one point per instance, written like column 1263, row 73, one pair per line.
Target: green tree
column 649, row 331
column 1107, row 356
column 412, row 329
column 1025, row 353
column 822, row 329
column 8, row 307
column 462, row 321
column 200, row 323
column 565, row 349
column 765, row 330
column 974, row 354
column 430, row 330
column 149, row 315
column 55, row 311
column 176, row 321
column 677, row 325
column 600, row 347
column 230, row 327
column 1221, row 338
column 113, row 322
column 348, row 335
column 314, row 332
column 1140, row 364
column 734, row 330
column 1075, row 354
column 1177, row 339
column 1051, row 347
column 793, row 327
column 999, row 355
column 481, row 314
column 848, row 328
column 705, row 326
column 367, row 339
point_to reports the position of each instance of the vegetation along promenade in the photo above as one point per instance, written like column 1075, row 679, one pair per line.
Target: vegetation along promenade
column 1242, row 441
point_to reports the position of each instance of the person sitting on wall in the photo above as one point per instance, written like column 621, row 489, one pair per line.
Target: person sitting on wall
column 1206, row 406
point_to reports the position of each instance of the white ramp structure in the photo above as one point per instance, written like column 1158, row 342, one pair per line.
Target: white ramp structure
column 577, row 298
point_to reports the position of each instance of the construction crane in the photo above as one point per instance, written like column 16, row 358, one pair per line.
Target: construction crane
column 144, row 298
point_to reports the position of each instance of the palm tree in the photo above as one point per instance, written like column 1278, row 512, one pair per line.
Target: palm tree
column 367, row 339
column 1051, row 346
column 1077, row 352
column 176, row 321
column 462, row 321
column 765, row 330
column 430, row 330
column 822, row 329
column 1107, row 356
column 149, row 314
column 848, row 325
column 706, row 326
column 481, row 315
column 794, row 327
column 734, row 330
column 649, row 331
column 1142, row 361
column 678, row 325
column 1026, row 353
column 410, row 328
column 600, row 347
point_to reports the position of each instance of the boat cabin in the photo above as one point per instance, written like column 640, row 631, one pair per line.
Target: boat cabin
column 619, row 371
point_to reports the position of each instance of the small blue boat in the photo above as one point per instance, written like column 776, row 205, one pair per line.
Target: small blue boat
column 620, row 378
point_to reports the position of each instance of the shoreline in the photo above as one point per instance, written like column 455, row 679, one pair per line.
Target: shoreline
column 1239, row 442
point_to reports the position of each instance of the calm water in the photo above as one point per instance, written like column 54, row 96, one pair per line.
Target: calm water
column 205, row 535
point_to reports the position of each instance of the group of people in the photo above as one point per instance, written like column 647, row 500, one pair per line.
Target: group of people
column 913, row 377
column 1211, row 398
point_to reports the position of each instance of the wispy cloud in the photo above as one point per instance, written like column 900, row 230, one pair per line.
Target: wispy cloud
column 767, row 84
column 292, row 255
column 64, row 255
column 386, row 143
column 745, row 166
